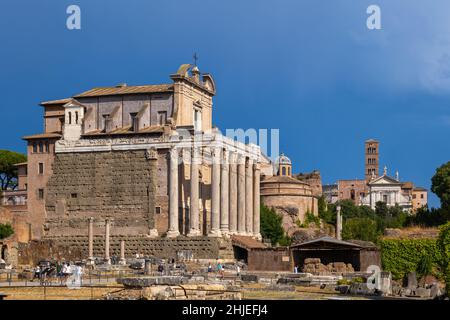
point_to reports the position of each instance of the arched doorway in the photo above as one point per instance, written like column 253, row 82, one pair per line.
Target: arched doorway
column 4, row 253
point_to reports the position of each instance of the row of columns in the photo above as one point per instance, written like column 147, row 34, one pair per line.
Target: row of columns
column 107, row 257
column 235, row 195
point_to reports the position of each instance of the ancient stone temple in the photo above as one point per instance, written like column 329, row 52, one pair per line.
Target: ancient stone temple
column 145, row 158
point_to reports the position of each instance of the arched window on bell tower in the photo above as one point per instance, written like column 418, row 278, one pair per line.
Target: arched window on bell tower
column 284, row 166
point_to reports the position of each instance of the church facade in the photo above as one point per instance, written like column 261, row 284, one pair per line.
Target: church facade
column 145, row 158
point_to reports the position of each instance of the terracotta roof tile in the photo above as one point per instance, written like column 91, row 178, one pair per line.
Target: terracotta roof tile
column 55, row 102
column 121, row 90
column 247, row 242
column 42, row 136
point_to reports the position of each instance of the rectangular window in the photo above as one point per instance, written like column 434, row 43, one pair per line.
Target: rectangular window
column 421, row 196
column 34, row 147
column 41, row 147
column 158, row 210
column 162, row 117
column 106, row 123
column 46, row 146
column 134, row 122
column 74, row 195
column 41, row 168
column 197, row 120
column 40, row 194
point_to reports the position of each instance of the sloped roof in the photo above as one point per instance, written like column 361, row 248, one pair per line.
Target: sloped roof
column 122, row 90
column 55, row 102
column 247, row 242
column 327, row 240
column 42, row 136
column 408, row 185
column 386, row 178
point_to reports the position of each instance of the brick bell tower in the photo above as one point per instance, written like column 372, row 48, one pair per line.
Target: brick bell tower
column 371, row 159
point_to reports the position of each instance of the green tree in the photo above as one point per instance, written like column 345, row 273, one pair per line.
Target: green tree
column 8, row 170
column 322, row 205
column 429, row 217
column 5, row 230
column 327, row 212
column 349, row 209
column 381, row 209
column 360, row 229
column 443, row 244
column 440, row 185
column 271, row 226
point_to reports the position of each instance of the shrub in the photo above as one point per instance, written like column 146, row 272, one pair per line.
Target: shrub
column 271, row 227
column 360, row 229
column 443, row 243
column 401, row 256
column 425, row 265
column 5, row 230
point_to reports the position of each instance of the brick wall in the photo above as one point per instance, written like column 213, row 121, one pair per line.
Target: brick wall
column 120, row 185
column 269, row 259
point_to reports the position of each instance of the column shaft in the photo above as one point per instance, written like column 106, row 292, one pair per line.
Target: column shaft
column 233, row 205
column 122, row 253
column 107, row 234
column 256, row 201
column 215, row 194
column 194, row 217
column 241, row 195
column 173, row 195
column 249, row 197
column 91, row 239
column 224, row 194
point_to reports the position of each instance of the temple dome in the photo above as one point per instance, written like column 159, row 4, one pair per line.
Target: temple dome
column 282, row 159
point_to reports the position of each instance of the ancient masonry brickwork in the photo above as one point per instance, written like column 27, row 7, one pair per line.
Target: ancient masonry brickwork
column 120, row 185
column 76, row 248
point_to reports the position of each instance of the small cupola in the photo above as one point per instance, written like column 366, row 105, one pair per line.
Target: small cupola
column 284, row 166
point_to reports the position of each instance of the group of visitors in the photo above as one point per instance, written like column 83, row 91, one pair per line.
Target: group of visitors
column 219, row 269
column 61, row 270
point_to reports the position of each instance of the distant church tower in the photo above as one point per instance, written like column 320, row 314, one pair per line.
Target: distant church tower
column 372, row 159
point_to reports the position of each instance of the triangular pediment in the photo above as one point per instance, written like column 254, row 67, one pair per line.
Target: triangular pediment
column 73, row 103
column 383, row 180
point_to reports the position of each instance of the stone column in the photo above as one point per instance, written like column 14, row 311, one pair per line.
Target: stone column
column 338, row 223
column 224, row 194
column 194, row 214
column 107, row 233
column 241, row 195
column 233, row 205
column 173, row 194
column 256, row 201
column 91, row 240
column 249, row 197
column 122, row 261
column 215, row 194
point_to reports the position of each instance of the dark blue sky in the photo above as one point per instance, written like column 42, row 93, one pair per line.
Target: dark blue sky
column 309, row 68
